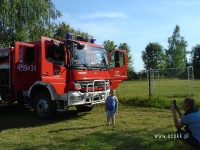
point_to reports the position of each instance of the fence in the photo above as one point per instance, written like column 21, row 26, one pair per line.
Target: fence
column 172, row 82
column 168, row 82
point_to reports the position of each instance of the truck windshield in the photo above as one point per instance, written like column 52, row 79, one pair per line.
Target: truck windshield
column 92, row 57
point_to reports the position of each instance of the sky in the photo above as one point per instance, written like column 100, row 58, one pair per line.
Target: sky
column 136, row 22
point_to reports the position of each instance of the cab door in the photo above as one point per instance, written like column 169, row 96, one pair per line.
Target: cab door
column 52, row 73
column 118, row 67
column 25, row 69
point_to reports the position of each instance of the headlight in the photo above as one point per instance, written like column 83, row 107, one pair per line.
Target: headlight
column 77, row 85
column 75, row 98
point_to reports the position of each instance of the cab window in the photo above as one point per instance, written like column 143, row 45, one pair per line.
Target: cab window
column 30, row 53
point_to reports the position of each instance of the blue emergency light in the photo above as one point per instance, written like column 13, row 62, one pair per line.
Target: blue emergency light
column 92, row 40
column 68, row 36
column 80, row 38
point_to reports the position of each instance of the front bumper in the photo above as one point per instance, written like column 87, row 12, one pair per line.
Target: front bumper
column 90, row 98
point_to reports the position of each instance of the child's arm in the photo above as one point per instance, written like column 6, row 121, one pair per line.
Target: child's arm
column 116, row 107
column 105, row 104
column 116, row 101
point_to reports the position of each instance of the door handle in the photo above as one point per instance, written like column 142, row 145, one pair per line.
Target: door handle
column 45, row 74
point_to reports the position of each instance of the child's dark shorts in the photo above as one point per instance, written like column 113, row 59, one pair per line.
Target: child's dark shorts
column 111, row 114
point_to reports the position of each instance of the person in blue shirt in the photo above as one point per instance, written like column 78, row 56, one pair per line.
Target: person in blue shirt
column 111, row 107
column 190, row 120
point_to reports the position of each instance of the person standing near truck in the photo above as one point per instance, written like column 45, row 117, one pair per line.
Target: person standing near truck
column 111, row 107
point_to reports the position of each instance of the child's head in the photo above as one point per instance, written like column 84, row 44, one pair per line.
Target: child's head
column 112, row 92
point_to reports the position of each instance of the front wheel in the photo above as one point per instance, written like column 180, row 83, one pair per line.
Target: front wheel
column 84, row 108
column 44, row 107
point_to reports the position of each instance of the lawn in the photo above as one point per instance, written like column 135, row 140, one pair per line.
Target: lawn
column 168, row 88
column 135, row 129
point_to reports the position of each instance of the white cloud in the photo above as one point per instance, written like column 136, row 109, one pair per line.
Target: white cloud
column 101, row 31
column 103, row 15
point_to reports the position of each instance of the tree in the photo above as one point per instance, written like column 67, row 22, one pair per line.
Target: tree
column 195, row 57
column 124, row 46
column 153, row 56
column 61, row 29
column 109, row 45
column 131, row 73
column 26, row 20
column 176, row 52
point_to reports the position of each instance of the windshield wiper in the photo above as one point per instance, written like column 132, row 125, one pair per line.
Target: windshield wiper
column 82, row 66
column 100, row 67
column 87, row 66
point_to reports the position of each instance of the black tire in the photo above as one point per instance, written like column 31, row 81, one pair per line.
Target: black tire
column 44, row 107
column 84, row 108
column 21, row 102
column 5, row 93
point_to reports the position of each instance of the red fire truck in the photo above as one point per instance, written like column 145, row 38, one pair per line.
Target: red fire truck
column 82, row 76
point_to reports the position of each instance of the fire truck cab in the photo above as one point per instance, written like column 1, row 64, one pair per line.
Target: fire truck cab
column 53, row 75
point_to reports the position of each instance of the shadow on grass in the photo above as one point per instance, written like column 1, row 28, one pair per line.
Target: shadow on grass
column 75, row 128
column 19, row 117
column 110, row 139
column 102, row 138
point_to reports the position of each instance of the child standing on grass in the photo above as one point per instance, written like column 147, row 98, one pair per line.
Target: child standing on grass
column 111, row 107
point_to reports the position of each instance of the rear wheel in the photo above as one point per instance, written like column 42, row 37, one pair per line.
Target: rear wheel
column 44, row 107
column 86, row 108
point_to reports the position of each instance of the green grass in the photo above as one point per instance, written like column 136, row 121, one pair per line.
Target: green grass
column 135, row 129
column 136, row 92
column 162, row 87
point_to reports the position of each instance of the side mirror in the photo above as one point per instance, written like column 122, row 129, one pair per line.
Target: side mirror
column 55, row 43
column 72, row 44
column 117, row 57
column 80, row 47
column 66, row 66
